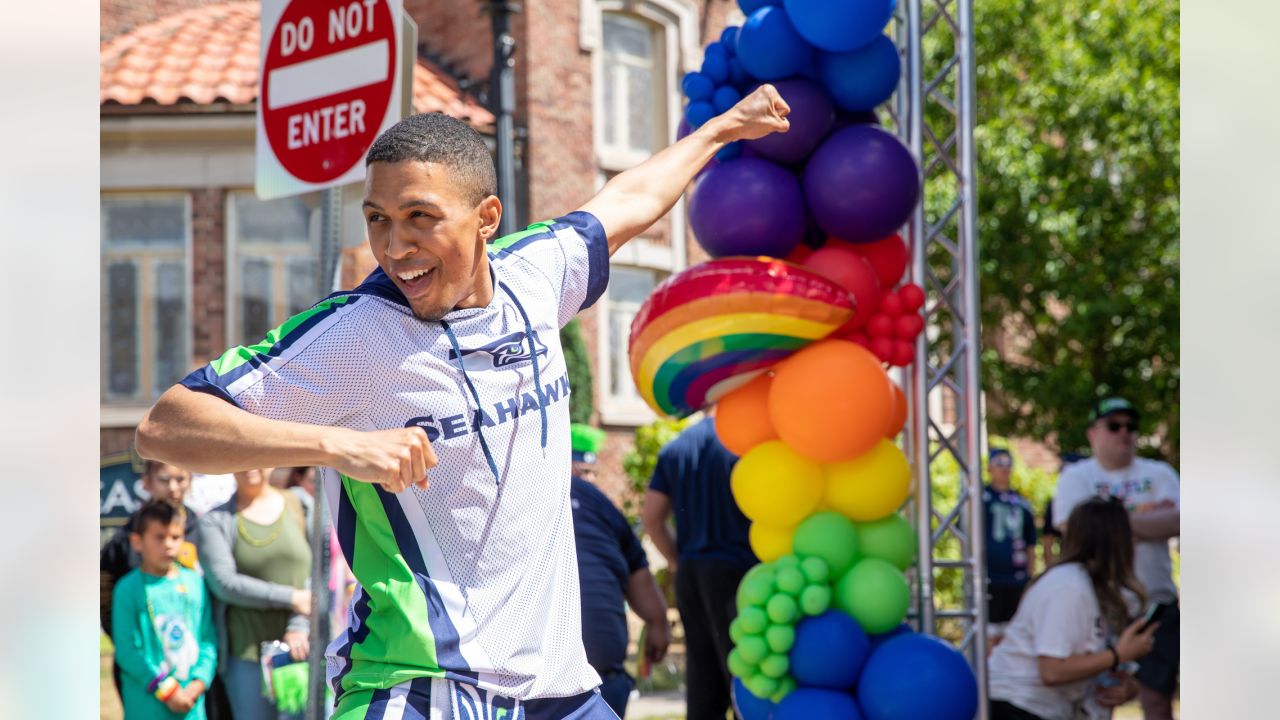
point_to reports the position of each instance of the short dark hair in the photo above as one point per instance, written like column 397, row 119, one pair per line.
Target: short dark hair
column 156, row 511
column 448, row 141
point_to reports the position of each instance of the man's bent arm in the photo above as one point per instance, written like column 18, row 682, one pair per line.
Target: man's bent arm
column 1160, row 524
column 657, row 507
column 629, row 203
column 205, row 434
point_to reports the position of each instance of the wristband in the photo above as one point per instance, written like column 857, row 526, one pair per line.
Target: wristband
column 1115, row 654
column 167, row 688
column 155, row 682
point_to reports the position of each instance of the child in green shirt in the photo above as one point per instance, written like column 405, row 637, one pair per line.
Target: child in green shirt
column 162, row 624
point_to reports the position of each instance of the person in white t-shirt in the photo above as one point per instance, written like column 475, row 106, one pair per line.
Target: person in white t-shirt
column 1057, row 660
column 1149, row 490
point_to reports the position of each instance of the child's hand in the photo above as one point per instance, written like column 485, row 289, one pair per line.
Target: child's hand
column 181, row 701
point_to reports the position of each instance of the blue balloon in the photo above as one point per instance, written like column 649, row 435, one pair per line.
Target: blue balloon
column 729, row 39
column 750, row 6
column 732, row 151
column 882, row 638
column 726, row 97
column 697, row 86
column 840, row 25
column 861, row 79
column 698, row 113
column 815, row 704
column 715, row 63
column 738, row 76
column 829, row 651
column 770, row 48
column 748, row 706
column 917, row 676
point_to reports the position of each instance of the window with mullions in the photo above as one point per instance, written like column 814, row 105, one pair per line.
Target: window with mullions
column 271, row 271
column 146, row 311
column 632, row 108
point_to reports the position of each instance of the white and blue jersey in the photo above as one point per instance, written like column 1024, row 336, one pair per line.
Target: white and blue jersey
column 475, row 579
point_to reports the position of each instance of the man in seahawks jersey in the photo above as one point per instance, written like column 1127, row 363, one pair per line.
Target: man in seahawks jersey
column 435, row 397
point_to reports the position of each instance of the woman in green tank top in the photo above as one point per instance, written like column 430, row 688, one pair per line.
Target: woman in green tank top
column 259, row 562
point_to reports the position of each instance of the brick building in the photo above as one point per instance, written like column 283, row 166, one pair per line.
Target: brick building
column 192, row 262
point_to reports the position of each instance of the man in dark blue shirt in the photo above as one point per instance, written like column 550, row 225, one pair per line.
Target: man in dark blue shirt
column 709, row 556
column 611, row 568
column 1011, row 540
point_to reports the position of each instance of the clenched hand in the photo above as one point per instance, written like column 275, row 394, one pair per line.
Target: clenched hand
column 756, row 115
column 394, row 459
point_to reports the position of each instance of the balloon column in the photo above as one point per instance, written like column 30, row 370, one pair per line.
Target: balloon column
column 788, row 330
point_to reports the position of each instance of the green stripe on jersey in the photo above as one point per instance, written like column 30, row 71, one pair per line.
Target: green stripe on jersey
column 507, row 241
column 237, row 356
column 399, row 645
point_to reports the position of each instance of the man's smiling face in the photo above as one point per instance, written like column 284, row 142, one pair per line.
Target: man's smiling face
column 427, row 236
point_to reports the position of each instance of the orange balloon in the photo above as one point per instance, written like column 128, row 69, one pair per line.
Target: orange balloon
column 831, row 401
column 742, row 417
column 899, row 411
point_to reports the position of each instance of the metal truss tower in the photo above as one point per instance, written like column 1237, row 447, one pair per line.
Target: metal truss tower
column 935, row 119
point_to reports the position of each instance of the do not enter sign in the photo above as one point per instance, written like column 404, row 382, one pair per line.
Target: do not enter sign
column 330, row 83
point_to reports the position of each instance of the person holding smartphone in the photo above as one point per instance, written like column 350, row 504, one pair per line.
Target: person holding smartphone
column 1073, row 627
column 1149, row 490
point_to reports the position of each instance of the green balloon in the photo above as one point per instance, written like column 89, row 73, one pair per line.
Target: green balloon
column 775, row 666
column 790, row 581
column 737, row 666
column 815, row 599
column 830, row 536
column 761, row 685
column 891, row 539
column 780, row 638
column 736, row 632
column 815, row 569
column 786, row 561
column 875, row 594
column 754, row 590
column 753, row 621
column 785, row 686
column 782, row 609
column 752, row 650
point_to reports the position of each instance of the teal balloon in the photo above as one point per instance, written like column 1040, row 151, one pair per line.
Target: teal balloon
column 830, row 536
column 815, row 569
column 815, row 599
column 775, row 666
column 891, row 539
column 783, row 609
column 752, row 650
column 780, row 638
column 874, row 593
column 790, row 581
column 753, row 620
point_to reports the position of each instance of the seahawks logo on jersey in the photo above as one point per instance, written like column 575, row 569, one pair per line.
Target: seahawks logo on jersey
column 500, row 353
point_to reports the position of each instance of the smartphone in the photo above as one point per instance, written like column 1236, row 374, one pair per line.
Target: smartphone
column 1154, row 613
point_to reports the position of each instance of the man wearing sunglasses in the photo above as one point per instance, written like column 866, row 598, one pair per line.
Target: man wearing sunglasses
column 1150, row 491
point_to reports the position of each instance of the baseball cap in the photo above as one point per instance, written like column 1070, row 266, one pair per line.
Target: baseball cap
column 1003, row 454
column 586, row 442
column 1111, row 406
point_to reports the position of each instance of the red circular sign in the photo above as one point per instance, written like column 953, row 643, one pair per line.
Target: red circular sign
column 326, row 84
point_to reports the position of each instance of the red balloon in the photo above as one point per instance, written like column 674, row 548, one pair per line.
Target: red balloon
column 907, row 327
column 891, row 304
column 880, row 326
column 800, row 254
column 852, row 272
column 860, row 338
column 903, row 353
column 888, row 256
column 912, row 296
column 882, row 347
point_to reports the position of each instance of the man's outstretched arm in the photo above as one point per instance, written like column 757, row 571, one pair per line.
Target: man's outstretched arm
column 205, row 434
column 635, row 199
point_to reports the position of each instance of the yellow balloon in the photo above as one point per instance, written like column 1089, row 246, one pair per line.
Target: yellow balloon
column 770, row 543
column 870, row 486
column 776, row 485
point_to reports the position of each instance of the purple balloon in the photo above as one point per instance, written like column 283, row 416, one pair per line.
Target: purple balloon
column 812, row 115
column 861, row 184
column 748, row 206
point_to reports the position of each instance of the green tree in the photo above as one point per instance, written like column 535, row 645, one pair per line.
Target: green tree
column 1077, row 152
column 638, row 463
column 575, row 360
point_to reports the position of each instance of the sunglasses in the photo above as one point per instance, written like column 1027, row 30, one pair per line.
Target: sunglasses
column 1116, row 427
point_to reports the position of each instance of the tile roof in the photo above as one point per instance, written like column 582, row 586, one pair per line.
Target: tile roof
column 209, row 55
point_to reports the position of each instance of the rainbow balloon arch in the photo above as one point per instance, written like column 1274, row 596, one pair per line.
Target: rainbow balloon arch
column 788, row 331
